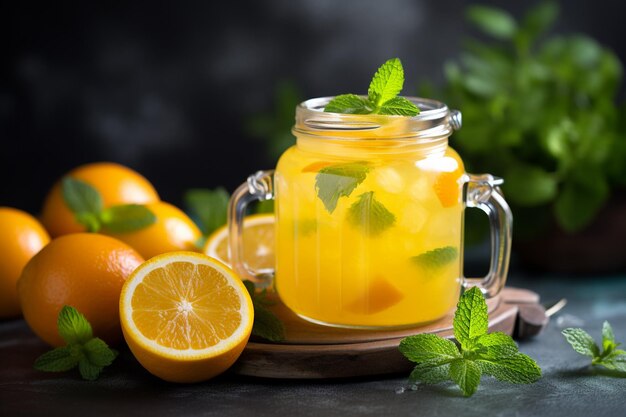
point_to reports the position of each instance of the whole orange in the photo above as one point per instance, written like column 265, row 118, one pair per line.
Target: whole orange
column 82, row 270
column 21, row 237
column 116, row 184
column 172, row 231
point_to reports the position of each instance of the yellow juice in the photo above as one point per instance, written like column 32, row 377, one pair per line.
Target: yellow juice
column 369, row 234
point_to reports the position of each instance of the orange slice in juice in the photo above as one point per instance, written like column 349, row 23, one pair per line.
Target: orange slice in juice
column 380, row 295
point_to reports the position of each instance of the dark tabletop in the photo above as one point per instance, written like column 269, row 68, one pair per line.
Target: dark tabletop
column 568, row 387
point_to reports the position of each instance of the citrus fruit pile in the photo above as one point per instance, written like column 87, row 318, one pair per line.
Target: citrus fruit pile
column 108, row 247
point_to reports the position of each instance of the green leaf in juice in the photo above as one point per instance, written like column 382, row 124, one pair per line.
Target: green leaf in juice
column 436, row 258
column 370, row 215
column 339, row 180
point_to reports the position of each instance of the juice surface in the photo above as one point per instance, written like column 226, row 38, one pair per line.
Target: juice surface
column 368, row 239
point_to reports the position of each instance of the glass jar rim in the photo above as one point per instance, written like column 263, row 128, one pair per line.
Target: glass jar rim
column 434, row 121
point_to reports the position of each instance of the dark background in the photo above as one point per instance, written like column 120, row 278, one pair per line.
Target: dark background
column 167, row 88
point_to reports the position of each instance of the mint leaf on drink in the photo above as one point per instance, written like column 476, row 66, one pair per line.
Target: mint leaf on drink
column 266, row 325
column 398, row 106
column 386, row 83
column 610, row 357
column 370, row 215
column 381, row 95
column 478, row 352
column 126, row 218
column 348, row 104
column 90, row 354
column 436, row 258
column 87, row 205
column 339, row 180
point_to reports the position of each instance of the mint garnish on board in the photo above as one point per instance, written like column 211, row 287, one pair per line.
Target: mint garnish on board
column 88, row 208
column 382, row 95
column 90, row 354
column 610, row 357
column 339, row 180
column 478, row 353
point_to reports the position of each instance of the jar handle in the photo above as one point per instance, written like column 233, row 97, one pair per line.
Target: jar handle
column 483, row 192
column 258, row 187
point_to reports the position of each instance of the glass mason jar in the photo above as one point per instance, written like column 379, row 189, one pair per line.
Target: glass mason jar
column 369, row 218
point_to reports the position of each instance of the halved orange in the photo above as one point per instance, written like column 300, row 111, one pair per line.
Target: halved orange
column 185, row 316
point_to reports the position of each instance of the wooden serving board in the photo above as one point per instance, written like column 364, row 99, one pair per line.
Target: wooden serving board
column 312, row 351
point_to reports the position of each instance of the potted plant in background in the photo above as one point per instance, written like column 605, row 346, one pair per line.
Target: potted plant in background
column 541, row 112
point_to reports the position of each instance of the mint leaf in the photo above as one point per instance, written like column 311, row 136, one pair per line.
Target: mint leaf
column 608, row 337
column 582, row 342
column 496, row 345
column 370, row 215
column 57, row 360
column 399, row 106
column 436, row 258
column 466, row 374
column 470, row 319
column 610, row 357
column 207, row 208
column 336, row 181
column 348, row 104
column 89, row 353
column 88, row 370
column 428, row 348
column 98, row 352
column 517, row 369
column 387, row 82
column 530, row 185
column 492, row 21
column 430, row 374
column 73, row 326
column 266, row 324
column 127, row 218
column 83, row 200
column 495, row 354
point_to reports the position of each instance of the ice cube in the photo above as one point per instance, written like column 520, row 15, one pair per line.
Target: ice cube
column 389, row 179
column 413, row 217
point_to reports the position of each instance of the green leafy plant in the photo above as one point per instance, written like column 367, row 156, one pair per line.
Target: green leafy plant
column 382, row 95
column 274, row 127
column 91, row 354
column 539, row 111
column 88, row 208
column 609, row 357
column 477, row 352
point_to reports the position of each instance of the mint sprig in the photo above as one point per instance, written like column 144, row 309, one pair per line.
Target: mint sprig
column 90, row 354
column 87, row 205
column 382, row 95
column 477, row 353
column 266, row 324
column 608, row 357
